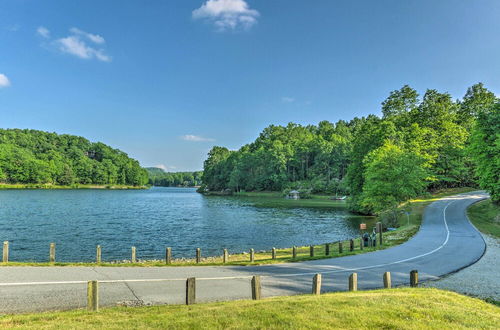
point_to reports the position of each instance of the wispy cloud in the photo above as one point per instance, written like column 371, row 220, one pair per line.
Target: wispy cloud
column 78, row 43
column 287, row 99
column 227, row 14
column 95, row 38
column 76, row 46
column 165, row 167
column 43, row 32
column 13, row 28
column 4, row 81
column 196, row 138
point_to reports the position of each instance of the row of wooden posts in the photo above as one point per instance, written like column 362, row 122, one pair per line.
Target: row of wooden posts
column 225, row 253
column 93, row 287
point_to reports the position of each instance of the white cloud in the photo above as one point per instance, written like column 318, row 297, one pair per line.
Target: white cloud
column 76, row 46
column 227, row 14
column 95, row 38
column 196, row 138
column 76, row 43
column 4, row 81
column 287, row 99
column 43, row 32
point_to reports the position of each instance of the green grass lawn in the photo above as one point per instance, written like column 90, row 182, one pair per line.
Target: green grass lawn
column 486, row 217
column 387, row 309
column 276, row 199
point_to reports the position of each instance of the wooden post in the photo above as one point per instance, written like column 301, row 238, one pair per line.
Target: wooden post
column 311, row 251
column 340, row 247
column 134, row 255
column 52, row 252
column 294, row 252
column 273, row 253
column 168, row 255
column 6, row 251
column 93, row 296
column 387, row 280
column 351, row 245
column 198, row 255
column 361, row 243
column 353, row 282
column 252, row 255
column 98, row 254
column 256, row 288
column 225, row 256
column 379, row 229
column 414, row 278
column 191, row 291
column 316, row 289
column 327, row 249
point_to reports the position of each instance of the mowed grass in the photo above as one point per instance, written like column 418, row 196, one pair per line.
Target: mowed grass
column 392, row 238
column 388, row 309
column 486, row 217
column 276, row 199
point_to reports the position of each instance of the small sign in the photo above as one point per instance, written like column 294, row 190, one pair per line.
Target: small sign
column 362, row 226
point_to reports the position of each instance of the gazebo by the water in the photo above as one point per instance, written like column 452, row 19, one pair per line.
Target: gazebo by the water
column 294, row 194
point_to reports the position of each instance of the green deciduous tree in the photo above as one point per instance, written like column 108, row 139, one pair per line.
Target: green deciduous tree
column 30, row 156
column 392, row 176
column 485, row 150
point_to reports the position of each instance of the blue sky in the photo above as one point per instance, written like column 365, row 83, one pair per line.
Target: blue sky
column 166, row 80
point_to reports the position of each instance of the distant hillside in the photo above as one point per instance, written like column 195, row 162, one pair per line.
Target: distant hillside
column 158, row 177
column 36, row 157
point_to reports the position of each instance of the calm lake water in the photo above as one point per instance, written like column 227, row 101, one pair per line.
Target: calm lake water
column 78, row 220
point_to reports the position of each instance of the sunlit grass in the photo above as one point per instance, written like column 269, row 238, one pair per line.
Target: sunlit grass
column 387, row 309
column 486, row 217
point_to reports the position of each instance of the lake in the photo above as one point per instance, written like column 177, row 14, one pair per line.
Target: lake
column 78, row 220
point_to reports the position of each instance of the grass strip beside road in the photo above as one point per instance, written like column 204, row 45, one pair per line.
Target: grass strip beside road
column 486, row 217
column 404, row 308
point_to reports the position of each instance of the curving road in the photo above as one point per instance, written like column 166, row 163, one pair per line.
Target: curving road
column 446, row 242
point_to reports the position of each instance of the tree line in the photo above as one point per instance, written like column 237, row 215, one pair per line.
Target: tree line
column 158, row 177
column 419, row 143
column 36, row 157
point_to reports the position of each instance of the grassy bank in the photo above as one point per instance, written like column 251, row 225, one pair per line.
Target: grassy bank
column 276, row 199
column 486, row 217
column 261, row 257
column 388, row 309
column 73, row 186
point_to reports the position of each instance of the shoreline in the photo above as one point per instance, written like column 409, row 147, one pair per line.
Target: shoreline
column 41, row 186
column 391, row 238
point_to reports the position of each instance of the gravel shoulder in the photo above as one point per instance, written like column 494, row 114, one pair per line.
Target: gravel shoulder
column 481, row 279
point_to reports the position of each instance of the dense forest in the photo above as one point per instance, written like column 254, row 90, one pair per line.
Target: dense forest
column 36, row 157
column 419, row 143
column 158, row 177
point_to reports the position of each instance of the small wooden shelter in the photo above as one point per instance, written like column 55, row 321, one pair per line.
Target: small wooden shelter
column 294, row 194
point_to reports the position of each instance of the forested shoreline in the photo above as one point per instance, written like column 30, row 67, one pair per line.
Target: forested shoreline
column 39, row 159
column 160, row 178
column 418, row 144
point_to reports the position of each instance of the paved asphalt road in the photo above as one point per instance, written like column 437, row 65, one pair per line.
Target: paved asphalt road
column 446, row 242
